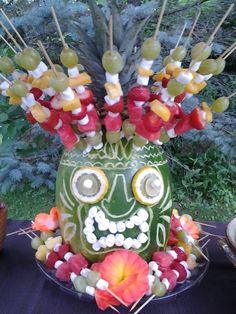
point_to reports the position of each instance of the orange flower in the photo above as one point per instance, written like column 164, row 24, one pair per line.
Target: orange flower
column 126, row 273
column 46, row 222
column 190, row 226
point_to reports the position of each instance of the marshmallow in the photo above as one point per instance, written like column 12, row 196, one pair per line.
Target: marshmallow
column 73, row 72
column 139, row 103
column 112, row 78
column 90, row 290
column 56, row 247
column 57, row 264
column 176, row 272
column 199, row 78
column 143, row 80
column 184, row 264
column 184, row 77
column 80, row 89
column 4, row 85
column 111, row 101
column 158, row 273
column 153, row 266
column 84, row 121
column 84, row 272
column 173, row 253
column 68, row 255
column 102, row 284
column 195, row 65
column 165, row 281
column 73, row 276
column 49, row 91
column 146, row 64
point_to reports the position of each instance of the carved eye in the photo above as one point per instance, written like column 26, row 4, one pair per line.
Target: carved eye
column 89, row 184
column 148, row 186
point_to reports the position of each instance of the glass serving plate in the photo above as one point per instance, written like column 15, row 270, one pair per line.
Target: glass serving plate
column 197, row 275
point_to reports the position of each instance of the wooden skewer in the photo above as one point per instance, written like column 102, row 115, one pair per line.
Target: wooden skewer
column 232, row 95
column 111, row 33
column 228, row 50
column 192, row 29
column 204, row 224
column 160, row 19
column 13, row 27
column 200, row 251
column 205, row 244
column 211, row 38
column 41, row 47
column 212, row 235
column 203, row 238
column 145, row 303
column 116, row 297
column 26, row 234
column 181, row 35
column 59, row 28
column 114, row 309
column 29, row 231
column 8, row 234
column 9, row 45
column 135, row 304
column 10, row 36
column 5, row 79
column 229, row 53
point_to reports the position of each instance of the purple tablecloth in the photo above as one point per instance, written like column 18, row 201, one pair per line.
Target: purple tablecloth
column 24, row 289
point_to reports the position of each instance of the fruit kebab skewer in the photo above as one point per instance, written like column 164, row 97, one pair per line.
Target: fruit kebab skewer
column 114, row 103
column 86, row 115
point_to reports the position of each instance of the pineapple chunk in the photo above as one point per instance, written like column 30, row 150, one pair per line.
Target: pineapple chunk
column 160, row 110
column 201, row 85
column 170, row 68
column 145, row 72
column 39, row 113
column 69, row 105
column 160, row 75
column 207, row 110
column 81, row 79
column 13, row 100
column 113, row 90
column 44, row 81
column 177, row 71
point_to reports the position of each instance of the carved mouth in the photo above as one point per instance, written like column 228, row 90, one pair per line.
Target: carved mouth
column 102, row 233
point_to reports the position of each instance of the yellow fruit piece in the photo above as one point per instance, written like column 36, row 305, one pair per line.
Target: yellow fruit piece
column 155, row 89
column 51, row 242
column 191, row 88
column 160, row 109
column 44, row 81
column 177, row 71
column 81, row 79
column 69, row 105
column 175, row 212
column 13, row 100
column 39, row 113
column 170, row 68
column 201, row 85
column 41, row 253
column 29, row 79
column 206, row 108
column 113, row 90
column 145, row 72
column 160, row 75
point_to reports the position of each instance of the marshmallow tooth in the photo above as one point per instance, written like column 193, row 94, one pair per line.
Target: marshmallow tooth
column 104, row 225
column 91, row 238
column 112, row 227
column 92, row 212
column 110, row 240
column 119, row 239
column 120, row 226
column 143, row 214
column 128, row 243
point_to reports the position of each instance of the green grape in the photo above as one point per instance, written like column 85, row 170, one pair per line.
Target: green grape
column 207, row 67
column 167, row 60
column 175, row 88
column 164, row 138
column 112, row 62
column 150, row 49
column 59, row 82
column 113, row 137
column 59, row 68
column 36, row 242
column 182, row 236
column 200, row 52
column 220, row 63
column 95, row 140
column 159, row 289
column 18, row 58
column 19, row 88
column 46, row 235
column 28, row 62
column 80, row 284
column 139, row 141
column 93, row 278
column 69, row 58
column 128, row 128
column 220, row 104
column 179, row 53
column 81, row 145
column 33, row 53
column 6, row 65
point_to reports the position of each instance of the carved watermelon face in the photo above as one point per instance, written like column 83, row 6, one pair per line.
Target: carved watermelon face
column 114, row 198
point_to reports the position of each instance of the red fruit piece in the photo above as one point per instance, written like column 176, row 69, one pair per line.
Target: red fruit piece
column 65, row 116
column 63, row 272
column 179, row 98
column 52, row 259
column 113, row 124
column 53, row 119
column 86, row 97
column 180, row 269
column 77, row 262
column 181, row 256
column 142, row 131
column 67, row 136
column 30, row 118
column 36, row 92
column 171, row 277
column 152, row 122
column 45, row 103
column 92, row 112
column 155, row 96
column 89, row 127
column 135, row 112
column 172, row 239
column 165, row 82
column 196, row 120
column 63, row 249
column 80, row 114
column 116, row 108
column 163, row 259
column 139, row 93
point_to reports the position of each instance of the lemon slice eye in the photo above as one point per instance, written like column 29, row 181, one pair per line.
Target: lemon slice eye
column 89, row 184
column 148, row 186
